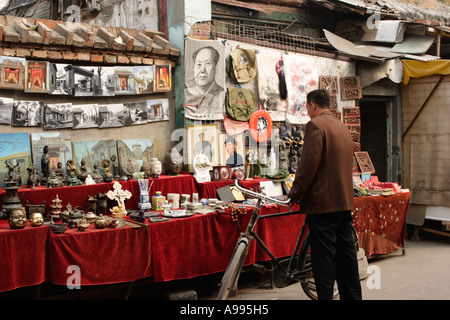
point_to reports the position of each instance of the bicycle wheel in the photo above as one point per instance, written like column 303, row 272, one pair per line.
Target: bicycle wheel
column 233, row 271
column 307, row 279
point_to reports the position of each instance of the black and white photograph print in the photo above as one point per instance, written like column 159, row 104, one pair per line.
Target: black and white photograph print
column 110, row 115
column 83, row 81
column 143, row 79
column 104, row 81
column 134, row 113
column 204, row 93
column 85, row 116
column 58, row 116
column 6, row 107
column 27, row 113
column 61, row 79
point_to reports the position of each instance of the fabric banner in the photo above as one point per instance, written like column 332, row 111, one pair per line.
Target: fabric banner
column 204, row 93
column 301, row 77
column 418, row 69
column 269, row 86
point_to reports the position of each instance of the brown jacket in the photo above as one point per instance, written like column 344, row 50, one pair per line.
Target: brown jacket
column 323, row 180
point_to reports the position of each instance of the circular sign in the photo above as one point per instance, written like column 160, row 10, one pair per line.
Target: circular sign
column 260, row 125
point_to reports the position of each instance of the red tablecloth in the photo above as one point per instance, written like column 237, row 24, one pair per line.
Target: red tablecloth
column 177, row 249
column 23, row 256
column 104, row 256
column 78, row 195
column 198, row 245
column 209, row 189
column 381, row 222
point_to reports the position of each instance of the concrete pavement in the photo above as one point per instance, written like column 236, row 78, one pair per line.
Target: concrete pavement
column 421, row 274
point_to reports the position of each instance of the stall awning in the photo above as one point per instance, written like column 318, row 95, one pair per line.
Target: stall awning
column 418, row 69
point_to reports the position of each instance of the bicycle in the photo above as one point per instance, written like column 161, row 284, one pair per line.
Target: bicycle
column 295, row 268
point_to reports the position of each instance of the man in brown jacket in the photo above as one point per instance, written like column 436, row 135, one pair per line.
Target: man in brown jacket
column 324, row 189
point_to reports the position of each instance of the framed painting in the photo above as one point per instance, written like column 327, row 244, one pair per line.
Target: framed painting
column 157, row 110
column 203, row 140
column 12, row 73
column 93, row 152
column 124, row 80
column 36, row 76
column 144, row 79
column 163, row 78
column 15, row 151
column 60, row 149
column 140, row 150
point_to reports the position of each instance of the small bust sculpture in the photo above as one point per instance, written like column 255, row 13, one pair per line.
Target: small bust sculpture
column 155, row 168
column 173, row 162
column 145, row 168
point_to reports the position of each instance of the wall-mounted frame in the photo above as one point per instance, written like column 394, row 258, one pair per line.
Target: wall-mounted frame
column 203, row 139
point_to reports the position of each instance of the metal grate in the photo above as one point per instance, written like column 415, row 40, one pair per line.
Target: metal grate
column 266, row 35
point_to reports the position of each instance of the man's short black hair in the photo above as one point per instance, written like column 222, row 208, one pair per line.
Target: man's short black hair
column 319, row 97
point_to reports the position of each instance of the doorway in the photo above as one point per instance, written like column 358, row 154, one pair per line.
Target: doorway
column 374, row 135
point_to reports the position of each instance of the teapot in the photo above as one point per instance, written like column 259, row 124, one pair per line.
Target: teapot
column 100, row 222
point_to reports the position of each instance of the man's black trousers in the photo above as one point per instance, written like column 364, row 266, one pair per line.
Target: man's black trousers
column 333, row 255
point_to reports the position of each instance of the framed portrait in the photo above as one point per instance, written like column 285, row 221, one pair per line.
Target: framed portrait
column 231, row 150
column 203, row 140
column 163, row 78
column 205, row 67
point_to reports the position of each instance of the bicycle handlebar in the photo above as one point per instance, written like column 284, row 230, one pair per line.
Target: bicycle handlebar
column 261, row 196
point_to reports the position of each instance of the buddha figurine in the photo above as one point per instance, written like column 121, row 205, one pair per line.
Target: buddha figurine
column 173, row 162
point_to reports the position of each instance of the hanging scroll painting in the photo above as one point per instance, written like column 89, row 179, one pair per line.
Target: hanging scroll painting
column 301, row 77
column 269, row 86
column 204, row 93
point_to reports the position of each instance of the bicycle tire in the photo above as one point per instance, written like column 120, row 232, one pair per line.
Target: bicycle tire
column 233, row 271
column 304, row 265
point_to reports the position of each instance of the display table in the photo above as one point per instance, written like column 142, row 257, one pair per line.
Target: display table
column 380, row 222
column 23, row 256
column 203, row 244
column 178, row 249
